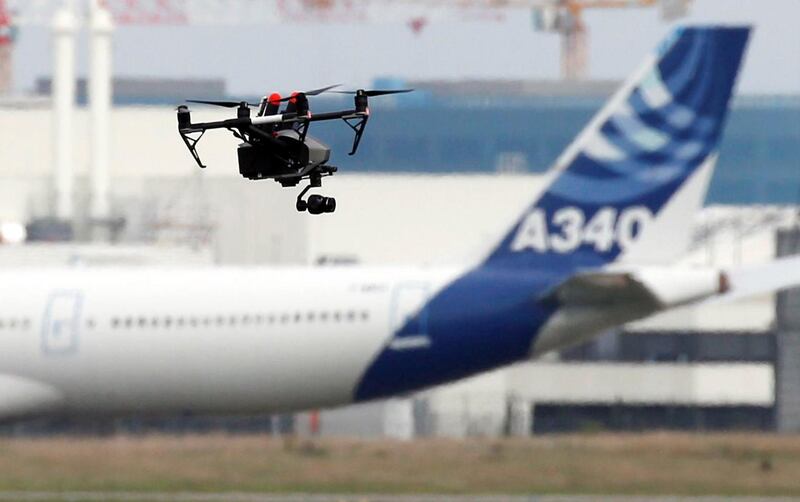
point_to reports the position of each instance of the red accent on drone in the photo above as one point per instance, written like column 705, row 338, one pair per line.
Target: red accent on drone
column 274, row 98
column 417, row 24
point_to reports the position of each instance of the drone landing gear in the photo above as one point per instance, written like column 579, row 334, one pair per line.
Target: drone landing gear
column 316, row 204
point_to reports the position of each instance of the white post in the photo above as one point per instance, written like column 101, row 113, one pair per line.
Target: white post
column 63, row 93
column 100, row 80
column 398, row 418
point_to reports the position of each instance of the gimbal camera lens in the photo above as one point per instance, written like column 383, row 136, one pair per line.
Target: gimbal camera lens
column 316, row 204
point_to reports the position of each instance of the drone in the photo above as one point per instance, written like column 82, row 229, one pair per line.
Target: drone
column 275, row 144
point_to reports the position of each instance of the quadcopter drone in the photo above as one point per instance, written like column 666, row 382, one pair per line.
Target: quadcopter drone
column 275, row 143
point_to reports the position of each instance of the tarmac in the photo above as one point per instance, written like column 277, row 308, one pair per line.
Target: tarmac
column 300, row 497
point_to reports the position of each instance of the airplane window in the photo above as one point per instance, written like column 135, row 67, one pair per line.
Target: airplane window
column 365, row 316
column 271, row 319
column 284, row 318
column 297, row 317
column 26, row 323
column 351, row 316
column 193, row 322
column 220, row 320
column 336, row 316
column 310, row 317
column 323, row 316
column 259, row 319
column 154, row 322
column 245, row 320
column 128, row 322
column 142, row 322
column 232, row 320
column 115, row 322
column 168, row 322
column 206, row 321
column 90, row 323
column 181, row 321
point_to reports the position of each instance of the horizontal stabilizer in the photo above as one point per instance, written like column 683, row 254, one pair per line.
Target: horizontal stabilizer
column 783, row 273
column 657, row 287
column 592, row 302
column 601, row 288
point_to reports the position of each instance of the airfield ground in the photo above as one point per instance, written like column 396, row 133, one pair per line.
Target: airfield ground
column 653, row 463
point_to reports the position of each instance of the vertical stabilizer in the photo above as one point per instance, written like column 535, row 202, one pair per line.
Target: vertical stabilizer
column 627, row 187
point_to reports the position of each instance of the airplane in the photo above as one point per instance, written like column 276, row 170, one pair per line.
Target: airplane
column 592, row 251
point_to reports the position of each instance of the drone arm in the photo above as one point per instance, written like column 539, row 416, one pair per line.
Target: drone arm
column 221, row 124
column 273, row 119
column 244, row 124
column 357, row 120
column 239, row 123
column 334, row 115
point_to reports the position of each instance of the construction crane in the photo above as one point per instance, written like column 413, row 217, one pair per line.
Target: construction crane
column 564, row 17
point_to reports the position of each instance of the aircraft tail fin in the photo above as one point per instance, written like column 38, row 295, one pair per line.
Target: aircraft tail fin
column 625, row 190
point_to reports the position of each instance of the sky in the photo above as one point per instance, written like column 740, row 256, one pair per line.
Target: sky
column 255, row 60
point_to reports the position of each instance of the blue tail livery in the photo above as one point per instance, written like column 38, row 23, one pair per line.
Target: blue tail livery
column 622, row 193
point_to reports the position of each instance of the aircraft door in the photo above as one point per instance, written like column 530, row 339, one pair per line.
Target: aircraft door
column 61, row 322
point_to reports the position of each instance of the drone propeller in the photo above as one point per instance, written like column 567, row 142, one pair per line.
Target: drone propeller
column 313, row 92
column 375, row 92
column 226, row 104
column 235, row 104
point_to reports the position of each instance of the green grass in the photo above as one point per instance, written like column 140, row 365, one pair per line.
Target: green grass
column 656, row 463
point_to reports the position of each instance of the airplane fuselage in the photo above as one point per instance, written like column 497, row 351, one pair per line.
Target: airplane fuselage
column 109, row 341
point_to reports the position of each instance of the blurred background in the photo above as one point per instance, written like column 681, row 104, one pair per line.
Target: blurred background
column 93, row 173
